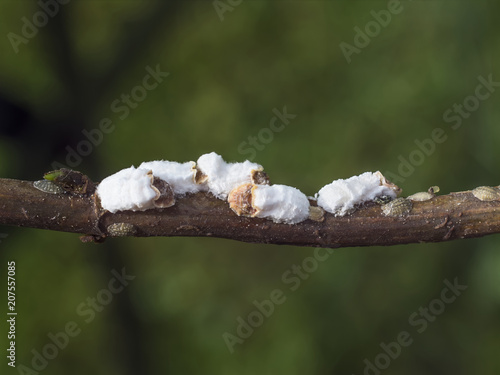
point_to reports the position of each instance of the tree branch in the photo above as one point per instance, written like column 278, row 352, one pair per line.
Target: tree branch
column 443, row 218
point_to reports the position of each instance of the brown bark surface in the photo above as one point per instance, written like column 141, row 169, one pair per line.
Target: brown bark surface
column 443, row 218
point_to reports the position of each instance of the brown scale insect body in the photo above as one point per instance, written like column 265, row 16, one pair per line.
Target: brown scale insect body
column 240, row 200
column 165, row 195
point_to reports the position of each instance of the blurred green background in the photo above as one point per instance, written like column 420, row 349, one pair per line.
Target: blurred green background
column 228, row 71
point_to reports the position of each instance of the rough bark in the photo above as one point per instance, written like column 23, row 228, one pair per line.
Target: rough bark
column 443, row 218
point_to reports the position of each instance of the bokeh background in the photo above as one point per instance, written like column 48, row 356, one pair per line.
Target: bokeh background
column 228, row 71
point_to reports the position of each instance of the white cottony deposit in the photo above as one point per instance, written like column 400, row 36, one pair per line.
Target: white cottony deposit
column 280, row 203
column 128, row 189
column 341, row 196
column 180, row 176
column 144, row 188
column 222, row 177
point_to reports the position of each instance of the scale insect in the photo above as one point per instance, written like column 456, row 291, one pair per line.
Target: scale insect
column 486, row 193
column 341, row 197
column 279, row 203
column 424, row 195
column 48, row 187
column 397, row 207
column 121, row 230
column 220, row 177
column 134, row 189
column 316, row 214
